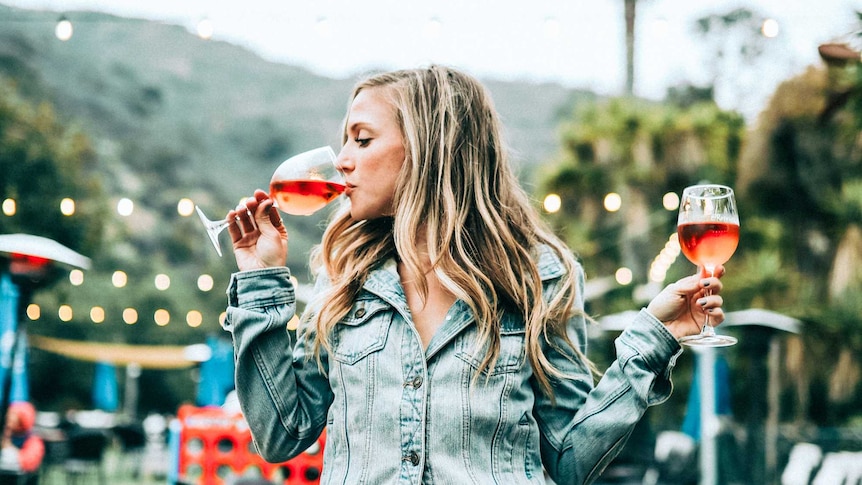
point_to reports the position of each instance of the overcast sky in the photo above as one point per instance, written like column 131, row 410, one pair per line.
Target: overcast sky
column 579, row 43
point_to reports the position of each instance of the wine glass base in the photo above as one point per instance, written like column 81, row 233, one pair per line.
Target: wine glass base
column 708, row 340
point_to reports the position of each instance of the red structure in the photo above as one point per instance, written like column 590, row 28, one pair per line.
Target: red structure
column 216, row 445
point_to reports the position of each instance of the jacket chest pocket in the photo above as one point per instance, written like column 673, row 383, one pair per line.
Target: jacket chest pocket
column 512, row 348
column 362, row 332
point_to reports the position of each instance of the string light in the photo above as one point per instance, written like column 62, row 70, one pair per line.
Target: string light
column 613, row 202
column 194, row 318
column 97, row 314
column 162, row 317
column 9, row 207
column 67, row 206
column 769, row 29
column 130, row 316
column 624, row 276
column 205, row 29
column 670, row 201
column 552, row 203
column 125, row 207
column 163, row 282
column 65, row 313
column 185, row 207
column 76, row 277
column 205, row 282
column 34, row 312
column 63, row 30
column 119, row 279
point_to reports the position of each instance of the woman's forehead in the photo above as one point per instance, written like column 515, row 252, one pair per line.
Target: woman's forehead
column 370, row 106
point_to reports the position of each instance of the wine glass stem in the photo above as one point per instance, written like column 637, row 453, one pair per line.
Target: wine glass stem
column 707, row 330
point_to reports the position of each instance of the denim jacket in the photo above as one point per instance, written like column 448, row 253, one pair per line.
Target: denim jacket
column 396, row 413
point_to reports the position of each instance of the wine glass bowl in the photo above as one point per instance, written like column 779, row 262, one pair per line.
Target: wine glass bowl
column 300, row 185
column 304, row 184
column 708, row 230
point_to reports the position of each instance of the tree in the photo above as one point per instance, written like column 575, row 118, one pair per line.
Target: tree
column 630, row 7
column 42, row 162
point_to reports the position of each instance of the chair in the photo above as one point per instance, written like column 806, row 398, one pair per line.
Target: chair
column 133, row 440
column 84, row 460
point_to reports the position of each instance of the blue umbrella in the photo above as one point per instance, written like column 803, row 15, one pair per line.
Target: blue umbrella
column 216, row 373
column 9, row 296
column 105, row 393
column 691, row 422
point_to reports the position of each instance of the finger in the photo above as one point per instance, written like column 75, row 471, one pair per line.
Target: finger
column 716, row 316
column 711, row 302
column 712, row 284
column 274, row 216
column 245, row 213
column 260, row 195
column 233, row 226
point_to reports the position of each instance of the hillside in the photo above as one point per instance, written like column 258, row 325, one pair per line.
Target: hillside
column 170, row 115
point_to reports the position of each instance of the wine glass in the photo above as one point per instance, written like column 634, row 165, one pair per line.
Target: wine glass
column 708, row 230
column 301, row 185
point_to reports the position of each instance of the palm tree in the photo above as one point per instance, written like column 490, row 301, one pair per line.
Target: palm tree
column 630, row 46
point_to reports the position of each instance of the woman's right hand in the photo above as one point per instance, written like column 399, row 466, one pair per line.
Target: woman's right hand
column 258, row 235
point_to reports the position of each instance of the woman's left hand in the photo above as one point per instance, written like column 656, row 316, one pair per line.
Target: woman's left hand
column 683, row 306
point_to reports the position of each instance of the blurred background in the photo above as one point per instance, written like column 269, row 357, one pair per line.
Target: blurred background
column 118, row 117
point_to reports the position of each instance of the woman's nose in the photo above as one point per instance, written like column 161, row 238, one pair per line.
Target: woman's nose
column 342, row 161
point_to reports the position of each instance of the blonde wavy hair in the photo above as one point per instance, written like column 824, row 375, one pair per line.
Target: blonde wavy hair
column 456, row 189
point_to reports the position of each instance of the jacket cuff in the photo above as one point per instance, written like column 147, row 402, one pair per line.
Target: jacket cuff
column 260, row 288
column 653, row 341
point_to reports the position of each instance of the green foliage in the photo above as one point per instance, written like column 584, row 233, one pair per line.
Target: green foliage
column 42, row 162
column 798, row 179
column 150, row 112
column 640, row 150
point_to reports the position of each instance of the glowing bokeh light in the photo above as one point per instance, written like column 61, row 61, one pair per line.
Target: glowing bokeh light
column 125, row 207
column 10, row 207
column 67, row 206
column 162, row 282
column 64, row 30
column 205, row 282
column 162, row 317
column 97, row 314
column 185, row 207
column 119, row 279
column 769, row 29
column 623, row 276
column 34, row 312
column 194, row 318
column 130, row 316
column 205, row 29
column 670, row 201
column 552, row 203
column 65, row 313
column 613, row 202
column 76, row 277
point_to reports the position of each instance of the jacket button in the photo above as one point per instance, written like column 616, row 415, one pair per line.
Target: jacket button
column 359, row 313
column 413, row 458
column 417, row 382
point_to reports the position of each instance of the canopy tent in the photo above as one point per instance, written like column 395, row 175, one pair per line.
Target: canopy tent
column 146, row 356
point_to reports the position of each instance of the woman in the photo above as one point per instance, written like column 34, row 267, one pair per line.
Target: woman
column 446, row 342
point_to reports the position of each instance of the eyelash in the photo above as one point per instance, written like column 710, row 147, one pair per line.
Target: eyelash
column 362, row 141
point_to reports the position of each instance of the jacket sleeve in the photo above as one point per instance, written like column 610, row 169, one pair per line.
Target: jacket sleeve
column 284, row 396
column 586, row 426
